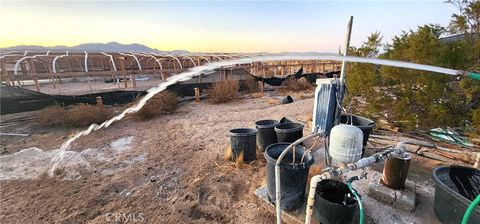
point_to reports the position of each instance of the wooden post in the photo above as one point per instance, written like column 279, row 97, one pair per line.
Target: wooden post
column 99, row 101
column 164, row 76
column 260, row 86
column 33, row 71
column 5, row 73
column 124, row 73
column 197, row 94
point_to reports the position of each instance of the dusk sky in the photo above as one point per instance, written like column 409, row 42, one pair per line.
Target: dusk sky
column 267, row 26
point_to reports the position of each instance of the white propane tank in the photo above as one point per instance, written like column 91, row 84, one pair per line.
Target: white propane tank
column 346, row 142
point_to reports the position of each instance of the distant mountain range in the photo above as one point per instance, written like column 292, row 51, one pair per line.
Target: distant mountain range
column 90, row 47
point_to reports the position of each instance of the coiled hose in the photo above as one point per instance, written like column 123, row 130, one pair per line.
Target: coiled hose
column 357, row 196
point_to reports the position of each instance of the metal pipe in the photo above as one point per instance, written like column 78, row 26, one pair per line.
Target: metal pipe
column 347, row 45
column 375, row 158
column 278, row 188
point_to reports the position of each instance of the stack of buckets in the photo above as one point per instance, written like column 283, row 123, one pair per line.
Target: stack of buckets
column 272, row 138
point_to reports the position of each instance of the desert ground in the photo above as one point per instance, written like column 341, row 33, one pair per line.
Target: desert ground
column 169, row 169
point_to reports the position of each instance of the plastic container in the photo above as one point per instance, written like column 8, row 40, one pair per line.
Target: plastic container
column 289, row 132
column 293, row 176
column 395, row 172
column 287, row 100
column 455, row 188
column 333, row 205
column 266, row 133
column 244, row 140
column 345, row 143
column 365, row 124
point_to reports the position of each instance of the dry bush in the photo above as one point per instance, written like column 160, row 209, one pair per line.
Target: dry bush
column 223, row 92
column 250, row 85
column 273, row 101
column 239, row 161
column 257, row 95
column 77, row 116
column 82, row 115
column 54, row 115
column 227, row 155
column 295, row 85
column 164, row 102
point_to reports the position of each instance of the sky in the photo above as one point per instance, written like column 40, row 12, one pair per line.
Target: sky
column 213, row 26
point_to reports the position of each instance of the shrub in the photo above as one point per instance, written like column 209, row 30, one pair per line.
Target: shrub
column 77, row 116
column 50, row 116
column 223, row 92
column 295, row 85
column 250, row 85
column 85, row 114
column 164, row 102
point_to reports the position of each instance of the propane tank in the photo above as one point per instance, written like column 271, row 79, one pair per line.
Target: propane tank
column 346, row 142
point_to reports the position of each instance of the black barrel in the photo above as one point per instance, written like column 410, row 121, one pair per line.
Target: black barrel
column 333, row 205
column 293, row 176
column 289, row 132
column 455, row 188
column 266, row 133
column 244, row 140
column 365, row 124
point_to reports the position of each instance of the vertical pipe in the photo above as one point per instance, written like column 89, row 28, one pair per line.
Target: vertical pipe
column 347, row 45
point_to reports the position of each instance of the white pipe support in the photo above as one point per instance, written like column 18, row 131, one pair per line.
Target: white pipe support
column 278, row 189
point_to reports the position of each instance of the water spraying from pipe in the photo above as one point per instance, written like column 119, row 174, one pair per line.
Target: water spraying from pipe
column 209, row 68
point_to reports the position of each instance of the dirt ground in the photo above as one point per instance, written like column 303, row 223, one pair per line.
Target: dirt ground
column 166, row 170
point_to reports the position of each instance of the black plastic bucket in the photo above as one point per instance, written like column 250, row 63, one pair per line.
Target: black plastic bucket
column 332, row 203
column 244, row 140
column 365, row 124
column 293, row 176
column 287, row 100
column 285, row 120
column 455, row 188
column 266, row 133
column 289, row 132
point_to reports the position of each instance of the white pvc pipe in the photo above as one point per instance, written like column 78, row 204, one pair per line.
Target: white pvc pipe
column 86, row 62
column 55, row 61
column 135, row 57
column 173, row 57
column 111, row 59
column 278, row 188
column 15, row 68
column 194, row 64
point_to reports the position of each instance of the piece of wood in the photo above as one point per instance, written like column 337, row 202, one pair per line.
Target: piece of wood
column 197, row 95
column 99, row 101
column 260, row 86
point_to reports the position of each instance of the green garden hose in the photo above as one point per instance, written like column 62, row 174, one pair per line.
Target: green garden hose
column 469, row 211
column 354, row 192
column 474, row 76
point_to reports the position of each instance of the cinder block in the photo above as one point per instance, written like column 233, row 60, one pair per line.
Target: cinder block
column 405, row 200
column 378, row 191
column 402, row 199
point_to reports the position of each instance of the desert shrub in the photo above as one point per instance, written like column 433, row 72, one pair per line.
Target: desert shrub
column 294, row 85
column 164, row 102
column 223, row 92
column 249, row 85
column 50, row 116
column 77, row 116
column 82, row 115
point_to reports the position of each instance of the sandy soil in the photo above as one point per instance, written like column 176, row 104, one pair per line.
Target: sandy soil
column 166, row 170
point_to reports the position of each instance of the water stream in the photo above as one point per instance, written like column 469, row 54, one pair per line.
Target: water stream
column 209, row 68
